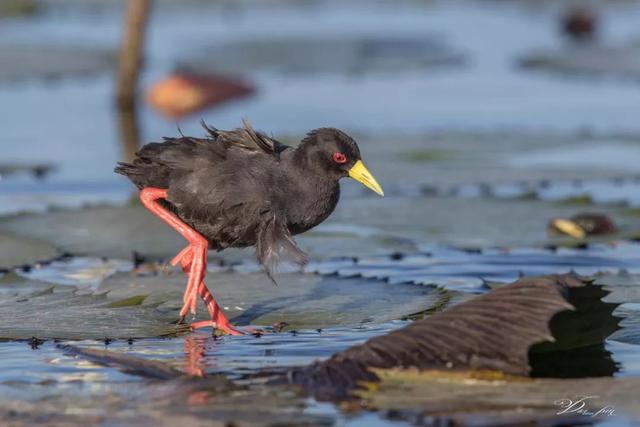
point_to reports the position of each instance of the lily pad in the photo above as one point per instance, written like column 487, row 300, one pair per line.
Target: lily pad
column 101, row 231
column 486, row 399
column 36, row 170
column 458, row 269
column 382, row 227
column 34, row 61
column 329, row 55
column 577, row 192
column 13, row 8
column 615, row 61
column 34, row 309
column 300, row 300
column 17, row 251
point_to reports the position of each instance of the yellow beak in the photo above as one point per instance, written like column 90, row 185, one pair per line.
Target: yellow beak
column 360, row 173
column 567, row 227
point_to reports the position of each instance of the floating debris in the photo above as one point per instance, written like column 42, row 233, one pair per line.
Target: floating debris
column 182, row 94
column 36, row 343
column 580, row 24
column 583, row 225
column 38, row 171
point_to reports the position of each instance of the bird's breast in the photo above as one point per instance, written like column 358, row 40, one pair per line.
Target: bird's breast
column 312, row 208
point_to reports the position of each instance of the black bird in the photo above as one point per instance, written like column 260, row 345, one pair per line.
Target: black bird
column 242, row 188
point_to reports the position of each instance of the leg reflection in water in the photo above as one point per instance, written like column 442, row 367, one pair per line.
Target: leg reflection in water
column 194, row 352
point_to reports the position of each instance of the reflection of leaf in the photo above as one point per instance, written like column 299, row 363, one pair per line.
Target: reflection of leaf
column 128, row 302
column 125, row 362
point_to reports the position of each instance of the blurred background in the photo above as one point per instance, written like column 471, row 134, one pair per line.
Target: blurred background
column 431, row 81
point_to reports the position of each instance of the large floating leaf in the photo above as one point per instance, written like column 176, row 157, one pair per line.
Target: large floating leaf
column 469, row 270
column 117, row 231
column 17, row 251
column 504, row 330
column 616, row 61
column 359, row 227
column 34, row 309
column 301, row 300
column 489, row 399
column 329, row 55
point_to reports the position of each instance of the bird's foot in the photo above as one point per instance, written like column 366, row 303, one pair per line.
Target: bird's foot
column 193, row 260
column 225, row 327
column 218, row 320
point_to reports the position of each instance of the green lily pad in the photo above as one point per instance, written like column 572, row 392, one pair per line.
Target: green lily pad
column 360, row 226
column 301, row 300
column 16, row 251
column 35, row 309
column 128, row 302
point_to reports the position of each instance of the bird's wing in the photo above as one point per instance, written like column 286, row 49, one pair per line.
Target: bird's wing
column 245, row 138
column 495, row 331
column 275, row 242
column 159, row 164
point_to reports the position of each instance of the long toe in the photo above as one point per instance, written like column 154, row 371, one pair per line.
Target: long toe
column 184, row 257
column 226, row 328
column 196, row 275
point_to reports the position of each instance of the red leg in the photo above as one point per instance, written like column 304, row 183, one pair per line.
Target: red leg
column 193, row 259
column 218, row 319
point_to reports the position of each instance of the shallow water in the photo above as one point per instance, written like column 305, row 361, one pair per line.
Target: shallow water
column 477, row 153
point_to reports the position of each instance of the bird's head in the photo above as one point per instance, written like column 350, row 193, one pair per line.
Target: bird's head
column 338, row 155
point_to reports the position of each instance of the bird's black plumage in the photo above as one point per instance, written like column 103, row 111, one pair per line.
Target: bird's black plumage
column 242, row 188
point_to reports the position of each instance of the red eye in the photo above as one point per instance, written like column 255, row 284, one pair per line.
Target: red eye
column 339, row 158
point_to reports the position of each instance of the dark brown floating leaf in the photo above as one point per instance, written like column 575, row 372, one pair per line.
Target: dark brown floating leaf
column 494, row 331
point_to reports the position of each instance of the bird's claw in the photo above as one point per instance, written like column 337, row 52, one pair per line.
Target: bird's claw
column 225, row 327
column 193, row 261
